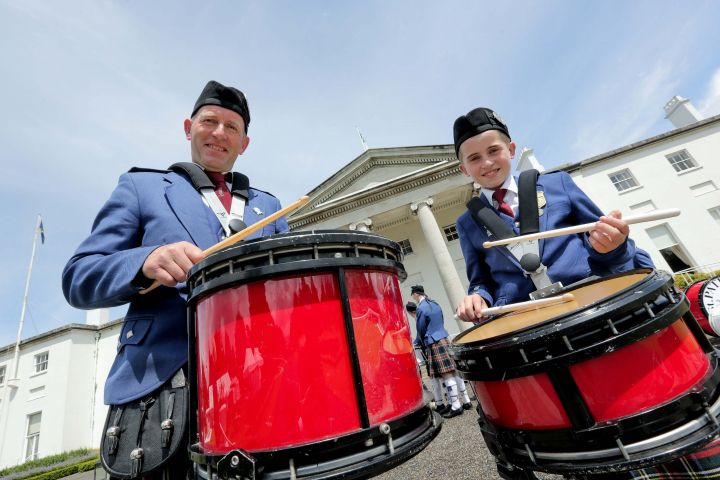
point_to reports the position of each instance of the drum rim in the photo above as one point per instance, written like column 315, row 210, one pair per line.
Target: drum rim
column 288, row 239
column 565, row 316
column 701, row 291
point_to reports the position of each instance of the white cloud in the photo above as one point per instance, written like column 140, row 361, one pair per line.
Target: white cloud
column 710, row 104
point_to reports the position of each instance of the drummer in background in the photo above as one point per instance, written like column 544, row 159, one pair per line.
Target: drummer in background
column 432, row 335
column 154, row 227
column 485, row 151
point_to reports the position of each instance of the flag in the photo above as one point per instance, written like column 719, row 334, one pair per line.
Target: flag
column 42, row 233
column 365, row 147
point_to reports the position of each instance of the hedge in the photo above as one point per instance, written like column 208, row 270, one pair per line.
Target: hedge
column 64, row 472
column 46, row 461
column 682, row 284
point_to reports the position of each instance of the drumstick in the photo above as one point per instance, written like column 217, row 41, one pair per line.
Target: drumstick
column 521, row 305
column 587, row 227
column 242, row 234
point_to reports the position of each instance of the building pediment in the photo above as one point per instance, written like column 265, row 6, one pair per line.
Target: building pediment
column 373, row 170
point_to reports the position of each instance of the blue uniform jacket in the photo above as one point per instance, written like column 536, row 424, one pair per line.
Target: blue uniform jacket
column 430, row 323
column 148, row 209
column 497, row 276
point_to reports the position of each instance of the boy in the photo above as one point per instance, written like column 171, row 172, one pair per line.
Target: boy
column 485, row 151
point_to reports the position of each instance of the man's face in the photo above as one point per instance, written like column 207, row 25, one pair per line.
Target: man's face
column 217, row 137
column 412, row 314
column 486, row 159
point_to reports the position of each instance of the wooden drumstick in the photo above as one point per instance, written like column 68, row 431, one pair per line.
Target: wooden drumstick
column 567, row 297
column 587, row 227
column 242, row 234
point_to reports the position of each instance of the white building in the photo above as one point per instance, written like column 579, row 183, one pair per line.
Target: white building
column 56, row 403
column 412, row 195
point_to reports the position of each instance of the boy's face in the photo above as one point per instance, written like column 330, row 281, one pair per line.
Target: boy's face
column 486, row 158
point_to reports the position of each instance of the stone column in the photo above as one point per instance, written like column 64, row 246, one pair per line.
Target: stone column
column 364, row 225
column 441, row 255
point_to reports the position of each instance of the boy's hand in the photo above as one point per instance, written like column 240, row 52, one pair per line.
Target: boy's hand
column 611, row 232
column 469, row 309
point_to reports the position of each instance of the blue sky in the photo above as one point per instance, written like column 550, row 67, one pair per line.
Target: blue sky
column 89, row 89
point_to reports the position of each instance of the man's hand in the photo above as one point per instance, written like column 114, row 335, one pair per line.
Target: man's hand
column 469, row 309
column 611, row 232
column 169, row 264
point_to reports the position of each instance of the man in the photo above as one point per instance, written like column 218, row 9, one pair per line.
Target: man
column 155, row 226
column 432, row 335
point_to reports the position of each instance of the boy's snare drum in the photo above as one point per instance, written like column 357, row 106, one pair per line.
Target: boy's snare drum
column 618, row 379
column 301, row 359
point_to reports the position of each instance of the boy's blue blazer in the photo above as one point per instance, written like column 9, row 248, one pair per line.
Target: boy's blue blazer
column 497, row 276
column 430, row 324
column 148, row 209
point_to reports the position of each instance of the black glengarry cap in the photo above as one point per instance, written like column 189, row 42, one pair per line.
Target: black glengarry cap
column 410, row 307
column 476, row 122
column 215, row 93
column 417, row 289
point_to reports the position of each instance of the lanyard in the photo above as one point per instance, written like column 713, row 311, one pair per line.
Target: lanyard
column 237, row 208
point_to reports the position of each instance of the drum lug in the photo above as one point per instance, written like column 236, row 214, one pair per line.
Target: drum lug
column 237, row 463
column 509, row 472
column 607, row 429
column 700, row 395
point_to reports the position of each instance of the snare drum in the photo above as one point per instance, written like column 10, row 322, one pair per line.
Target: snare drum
column 303, row 358
column 620, row 378
column 696, row 295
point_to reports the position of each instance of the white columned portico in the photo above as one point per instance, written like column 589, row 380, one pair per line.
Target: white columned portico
column 364, row 225
column 443, row 261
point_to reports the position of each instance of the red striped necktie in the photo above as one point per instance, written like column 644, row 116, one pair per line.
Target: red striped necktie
column 221, row 189
column 499, row 196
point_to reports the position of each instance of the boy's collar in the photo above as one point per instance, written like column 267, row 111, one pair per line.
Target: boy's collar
column 509, row 184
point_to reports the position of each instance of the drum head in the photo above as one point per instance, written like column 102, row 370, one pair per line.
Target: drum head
column 584, row 296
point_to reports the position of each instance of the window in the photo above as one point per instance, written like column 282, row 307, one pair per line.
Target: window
column 32, row 439
column 2, row 375
column 41, row 362
column 643, row 207
column 703, row 188
column 405, row 246
column 681, row 161
column 715, row 213
column 623, row 180
column 451, row 233
column 671, row 250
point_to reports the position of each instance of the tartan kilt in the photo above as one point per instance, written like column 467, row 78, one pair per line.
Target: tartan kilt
column 701, row 465
column 439, row 360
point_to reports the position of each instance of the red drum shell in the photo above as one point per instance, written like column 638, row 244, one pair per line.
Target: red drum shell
column 693, row 294
column 274, row 364
column 630, row 380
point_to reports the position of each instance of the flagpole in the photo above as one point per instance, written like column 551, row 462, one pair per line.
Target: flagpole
column 13, row 382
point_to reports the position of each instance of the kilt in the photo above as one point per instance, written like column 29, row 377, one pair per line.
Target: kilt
column 439, row 360
column 701, row 465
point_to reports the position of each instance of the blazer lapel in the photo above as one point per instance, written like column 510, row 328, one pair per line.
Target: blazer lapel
column 190, row 210
column 509, row 221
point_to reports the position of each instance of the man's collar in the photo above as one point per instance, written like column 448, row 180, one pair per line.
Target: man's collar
column 421, row 300
column 509, row 184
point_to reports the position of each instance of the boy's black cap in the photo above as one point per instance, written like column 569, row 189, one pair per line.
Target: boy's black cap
column 410, row 307
column 476, row 122
column 215, row 93
column 417, row 289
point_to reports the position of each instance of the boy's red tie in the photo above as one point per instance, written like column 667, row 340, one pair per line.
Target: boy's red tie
column 222, row 191
column 499, row 196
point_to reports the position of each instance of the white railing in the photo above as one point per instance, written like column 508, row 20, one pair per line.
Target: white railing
column 16, row 460
column 709, row 268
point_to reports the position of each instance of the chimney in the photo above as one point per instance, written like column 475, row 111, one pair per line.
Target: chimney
column 681, row 112
column 98, row 317
column 527, row 161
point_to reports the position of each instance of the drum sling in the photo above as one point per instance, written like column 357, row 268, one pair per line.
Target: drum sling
column 143, row 435
column 526, row 253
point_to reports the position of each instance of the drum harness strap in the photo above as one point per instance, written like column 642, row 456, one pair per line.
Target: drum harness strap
column 240, row 185
column 528, row 252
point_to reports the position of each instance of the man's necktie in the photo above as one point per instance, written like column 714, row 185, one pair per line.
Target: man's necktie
column 221, row 189
column 499, row 196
